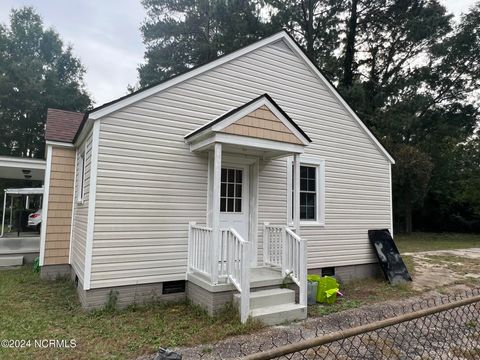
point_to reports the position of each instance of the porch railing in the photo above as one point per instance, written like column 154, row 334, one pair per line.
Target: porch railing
column 272, row 244
column 282, row 247
column 199, row 249
column 228, row 260
column 295, row 261
column 237, row 260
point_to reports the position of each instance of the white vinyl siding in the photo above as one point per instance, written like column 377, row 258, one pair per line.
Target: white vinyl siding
column 150, row 185
column 80, row 211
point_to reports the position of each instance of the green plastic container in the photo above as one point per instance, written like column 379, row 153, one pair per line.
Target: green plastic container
column 327, row 288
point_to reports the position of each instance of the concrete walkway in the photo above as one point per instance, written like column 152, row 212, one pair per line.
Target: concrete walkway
column 26, row 246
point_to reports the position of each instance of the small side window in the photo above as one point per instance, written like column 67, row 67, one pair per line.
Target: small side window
column 312, row 191
column 81, row 177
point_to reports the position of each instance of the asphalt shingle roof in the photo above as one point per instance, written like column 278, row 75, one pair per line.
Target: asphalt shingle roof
column 62, row 125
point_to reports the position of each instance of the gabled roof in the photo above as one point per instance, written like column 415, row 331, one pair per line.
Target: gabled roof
column 62, row 125
column 263, row 100
column 129, row 99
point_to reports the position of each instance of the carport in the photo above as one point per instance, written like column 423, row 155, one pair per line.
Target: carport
column 27, row 192
column 22, row 246
column 12, row 167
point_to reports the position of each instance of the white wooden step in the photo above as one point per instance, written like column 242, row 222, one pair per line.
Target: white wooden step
column 11, row 260
column 270, row 297
column 279, row 314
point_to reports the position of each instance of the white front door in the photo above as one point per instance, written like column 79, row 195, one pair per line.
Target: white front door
column 234, row 201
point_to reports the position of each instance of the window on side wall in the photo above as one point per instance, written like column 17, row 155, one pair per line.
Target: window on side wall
column 312, row 191
column 81, row 177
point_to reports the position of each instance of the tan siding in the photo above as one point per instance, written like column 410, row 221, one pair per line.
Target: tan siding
column 150, row 185
column 80, row 214
column 262, row 123
column 57, row 240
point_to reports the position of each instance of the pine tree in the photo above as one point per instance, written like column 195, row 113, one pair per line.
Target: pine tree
column 182, row 34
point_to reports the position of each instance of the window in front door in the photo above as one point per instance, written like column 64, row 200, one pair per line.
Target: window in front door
column 231, row 191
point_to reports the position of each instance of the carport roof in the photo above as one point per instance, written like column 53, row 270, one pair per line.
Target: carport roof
column 24, row 191
column 22, row 168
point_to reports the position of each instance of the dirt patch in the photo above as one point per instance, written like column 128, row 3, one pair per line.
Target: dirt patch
column 437, row 269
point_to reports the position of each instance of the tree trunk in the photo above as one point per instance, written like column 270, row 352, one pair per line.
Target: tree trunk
column 308, row 9
column 347, row 80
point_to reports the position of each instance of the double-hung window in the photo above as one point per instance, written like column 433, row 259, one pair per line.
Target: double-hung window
column 308, row 193
column 312, row 191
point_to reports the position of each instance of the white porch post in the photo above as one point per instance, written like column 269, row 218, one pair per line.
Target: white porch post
column 302, row 251
column 296, row 192
column 217, row 172
column 3, row 214
column 11, row 213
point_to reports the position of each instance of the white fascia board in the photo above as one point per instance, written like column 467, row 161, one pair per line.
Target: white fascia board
column 203, row 144
column 294, row 47
column 91, row 206
column 258, row 143
column 178, row 79
column 73, row 208
column 248, row 142
column 17, row 162
column 59, row 144
column 46, row 193
column 84, row 133
column 26, row 191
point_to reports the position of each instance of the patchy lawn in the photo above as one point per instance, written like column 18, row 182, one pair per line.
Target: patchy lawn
column 416, row 242
column 34, row 309
column 362, row 292
column 429, row 271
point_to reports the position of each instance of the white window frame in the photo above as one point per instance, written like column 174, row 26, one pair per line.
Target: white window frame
column 319, row 164
column 81, row 177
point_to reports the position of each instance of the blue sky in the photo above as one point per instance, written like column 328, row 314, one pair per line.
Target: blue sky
column 106, row 37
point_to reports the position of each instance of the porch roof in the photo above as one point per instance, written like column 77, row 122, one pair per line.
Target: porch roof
column 258, row 125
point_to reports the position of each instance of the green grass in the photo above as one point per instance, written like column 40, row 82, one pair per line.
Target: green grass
column 362, row 292
column 340, row 305
column 34, row 309
column 409, row 263
column 416, row 242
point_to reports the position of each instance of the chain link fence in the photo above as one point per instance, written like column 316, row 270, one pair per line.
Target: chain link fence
column 444, row 327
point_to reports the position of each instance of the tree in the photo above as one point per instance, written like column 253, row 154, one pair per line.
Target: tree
column 181, row 34
column 315, row 25
column 411, row 177
column 36, row 72
column 469, row 181
column 405, row 72
column 409, row 70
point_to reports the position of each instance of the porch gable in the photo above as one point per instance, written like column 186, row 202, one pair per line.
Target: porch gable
column 264, row 124
column 260, row 118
